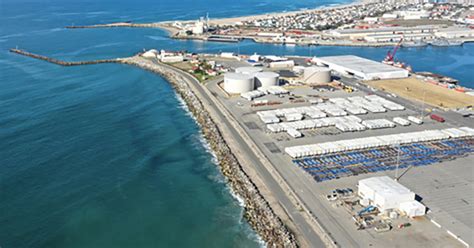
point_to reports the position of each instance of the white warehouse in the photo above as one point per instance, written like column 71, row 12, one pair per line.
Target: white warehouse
column 387, row 194
column 362, row 68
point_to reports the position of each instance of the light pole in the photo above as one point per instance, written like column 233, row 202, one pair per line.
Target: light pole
column 398, row 161
column 423, row 106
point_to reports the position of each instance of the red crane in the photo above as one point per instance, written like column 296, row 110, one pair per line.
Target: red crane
column 391, row 53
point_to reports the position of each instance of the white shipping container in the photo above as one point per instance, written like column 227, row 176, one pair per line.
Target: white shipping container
column 376, row 141
column 415, row 120
column 401, row 121
column 294, row 133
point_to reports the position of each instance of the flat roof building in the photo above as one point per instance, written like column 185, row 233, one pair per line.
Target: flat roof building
column 387, row 194
column 361, row 33
column 360, row 67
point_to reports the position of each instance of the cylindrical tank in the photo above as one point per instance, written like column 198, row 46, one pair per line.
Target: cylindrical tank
column 266, row 79
column 249, row 70
column 317, row 75
column 236, row 83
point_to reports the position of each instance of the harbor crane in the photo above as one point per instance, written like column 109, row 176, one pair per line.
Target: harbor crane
column 391, row 53
column 390, row 58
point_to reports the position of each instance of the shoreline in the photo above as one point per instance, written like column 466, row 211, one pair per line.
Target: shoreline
column 226, row 20
column 257, row 210
column 256, row 185
column 172, row 33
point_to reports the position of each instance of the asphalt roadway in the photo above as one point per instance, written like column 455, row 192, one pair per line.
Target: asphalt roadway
column 306, row 231
column 301, row 183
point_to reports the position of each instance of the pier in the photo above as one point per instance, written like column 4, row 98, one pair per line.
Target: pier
column 62, row 62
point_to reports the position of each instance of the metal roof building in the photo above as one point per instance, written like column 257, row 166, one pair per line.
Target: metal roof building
column 362, row 68
column 384, row 192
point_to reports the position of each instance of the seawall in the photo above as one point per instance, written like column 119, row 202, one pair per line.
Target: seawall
column 257, row 210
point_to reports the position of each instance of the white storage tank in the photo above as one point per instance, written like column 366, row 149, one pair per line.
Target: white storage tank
column 266, row 79
column 237, row 83
column 249, row 70
column 317, row 75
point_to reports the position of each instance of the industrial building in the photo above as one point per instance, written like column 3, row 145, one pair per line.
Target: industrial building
column 316, row 75
column 397, row 37
column 237, row 83
column 249, row 70
column 455, row 33
column 360, row 67
column 388, row 195
column 362, row 33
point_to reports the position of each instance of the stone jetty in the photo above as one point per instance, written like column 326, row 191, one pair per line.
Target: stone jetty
column 61, row 62
column 117, row 25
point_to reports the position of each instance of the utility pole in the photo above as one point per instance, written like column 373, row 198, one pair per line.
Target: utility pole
column 398, row 161
column 423, row 106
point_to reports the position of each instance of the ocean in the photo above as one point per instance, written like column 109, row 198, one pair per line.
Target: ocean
column 107, row 155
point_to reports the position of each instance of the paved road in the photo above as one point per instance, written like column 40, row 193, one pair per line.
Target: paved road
column 301, row 183
column 305, row 229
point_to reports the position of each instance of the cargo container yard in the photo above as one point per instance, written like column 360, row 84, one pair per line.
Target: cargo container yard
column 355, row 135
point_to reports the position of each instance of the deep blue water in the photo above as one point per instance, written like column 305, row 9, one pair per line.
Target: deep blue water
column 106, row 155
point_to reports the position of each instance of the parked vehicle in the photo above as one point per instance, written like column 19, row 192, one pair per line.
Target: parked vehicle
column 437, row 118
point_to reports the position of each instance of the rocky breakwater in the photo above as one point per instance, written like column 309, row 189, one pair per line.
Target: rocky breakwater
column 62, row 62
column 116, row 25
column 257, row 210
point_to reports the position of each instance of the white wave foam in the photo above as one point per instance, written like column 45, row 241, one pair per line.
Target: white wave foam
column 67, row 13
column 97, row 12
column 77, row 52
column 205, row 144
column 13, row 35
column 156, row 37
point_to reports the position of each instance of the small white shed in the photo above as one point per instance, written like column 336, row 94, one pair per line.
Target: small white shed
column 413, row 208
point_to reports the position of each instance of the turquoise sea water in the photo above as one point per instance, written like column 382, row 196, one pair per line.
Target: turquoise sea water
column 106, row 155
